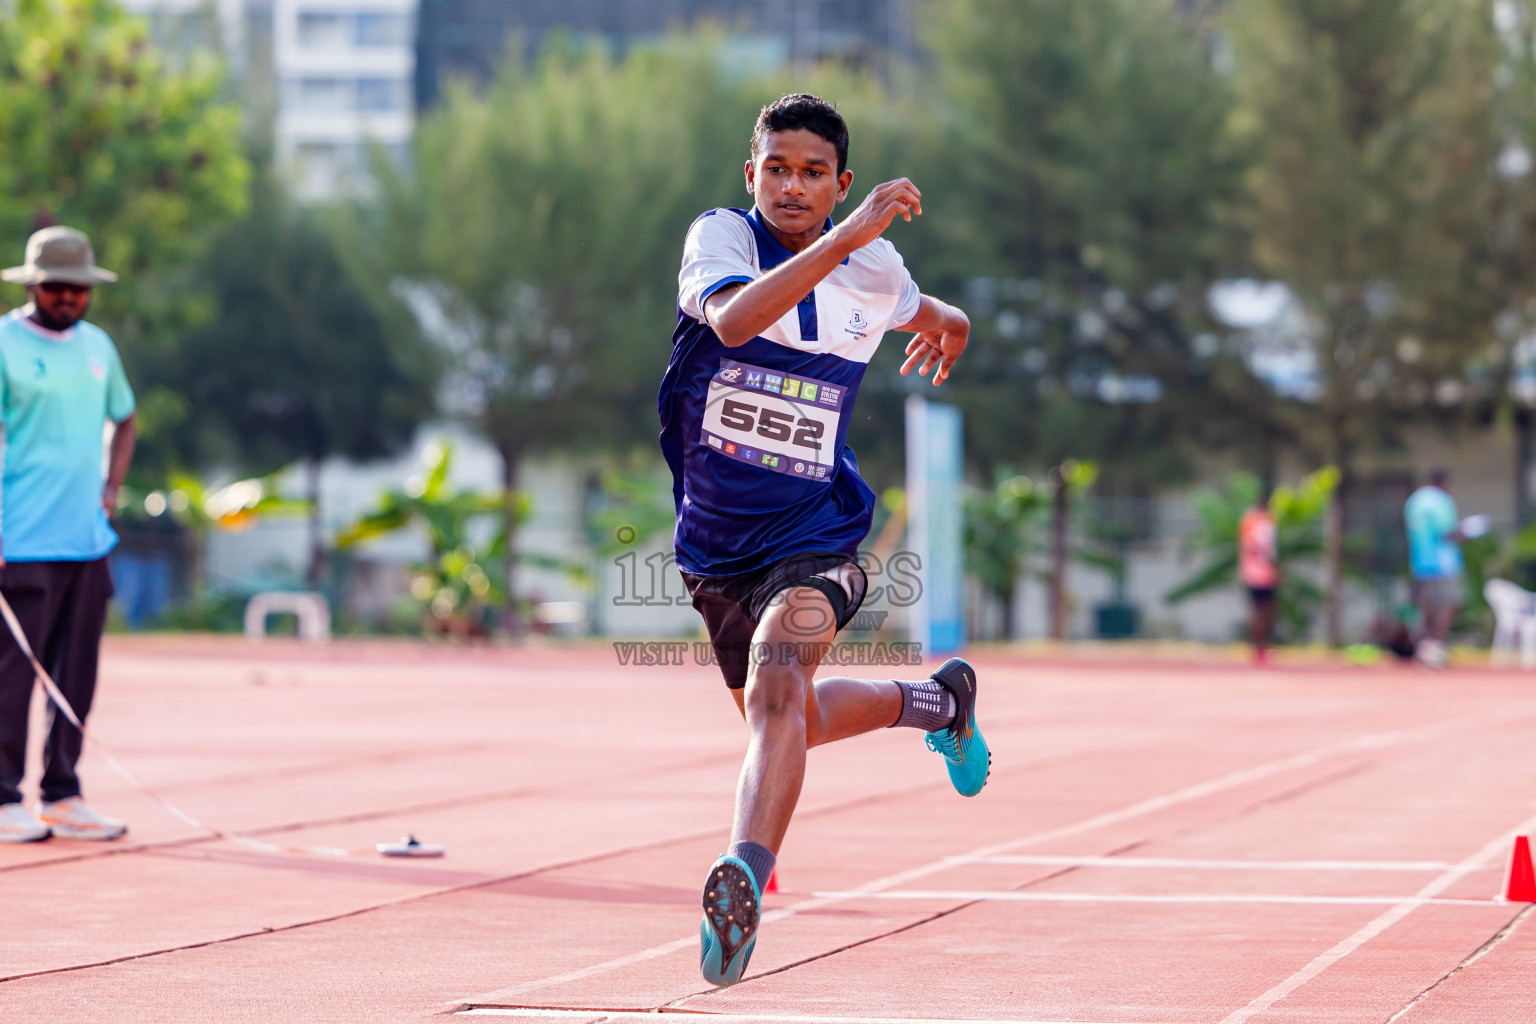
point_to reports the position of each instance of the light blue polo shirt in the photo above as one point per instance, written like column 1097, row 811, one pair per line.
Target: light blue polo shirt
column 57, row 390
column 1430, row 517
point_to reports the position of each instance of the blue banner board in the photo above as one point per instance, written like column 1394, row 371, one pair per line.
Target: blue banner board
column 935, row 490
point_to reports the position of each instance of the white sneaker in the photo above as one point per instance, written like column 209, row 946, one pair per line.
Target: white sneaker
column 19, row 825
column 1432, row 654
column 72, row 819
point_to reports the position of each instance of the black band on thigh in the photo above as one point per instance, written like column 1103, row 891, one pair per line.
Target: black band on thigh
column 835, row 595
column 732, row 606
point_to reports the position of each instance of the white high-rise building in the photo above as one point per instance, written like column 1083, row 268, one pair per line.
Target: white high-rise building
column 343, row 74
column 335, row 76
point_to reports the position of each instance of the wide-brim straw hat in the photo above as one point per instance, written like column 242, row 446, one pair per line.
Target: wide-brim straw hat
column 58, row 254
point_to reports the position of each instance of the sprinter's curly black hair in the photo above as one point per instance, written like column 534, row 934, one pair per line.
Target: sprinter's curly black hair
column 803, row 111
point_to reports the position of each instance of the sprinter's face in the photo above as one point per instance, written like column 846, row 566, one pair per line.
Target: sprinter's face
column 795, row 182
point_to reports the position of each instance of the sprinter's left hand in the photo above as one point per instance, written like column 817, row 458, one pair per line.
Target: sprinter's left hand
column 932, row 349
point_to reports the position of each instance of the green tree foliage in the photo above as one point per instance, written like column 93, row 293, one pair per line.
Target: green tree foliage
column 96, row 133
column 1092, row 155
column 628, row 507
column 1372, row 132
column 1001, row 534
column 458, row 580
column 1020, row 518
column 538, row 233
column 1298, row 513
column 298, row 366
column 1516, row 558
column 467, row 541
column 1512, row 240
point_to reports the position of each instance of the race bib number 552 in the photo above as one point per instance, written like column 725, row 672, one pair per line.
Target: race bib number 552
column 774, row 420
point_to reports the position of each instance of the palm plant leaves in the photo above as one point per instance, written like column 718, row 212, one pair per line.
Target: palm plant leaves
column 1298, row 512
column 460, row 574
column 431, row 503
column 998, row 531
column 202, row 506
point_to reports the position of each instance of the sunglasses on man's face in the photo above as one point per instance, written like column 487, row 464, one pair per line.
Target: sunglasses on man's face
column 64, row 288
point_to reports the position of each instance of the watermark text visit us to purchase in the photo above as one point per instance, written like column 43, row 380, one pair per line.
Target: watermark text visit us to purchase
column 653, row 581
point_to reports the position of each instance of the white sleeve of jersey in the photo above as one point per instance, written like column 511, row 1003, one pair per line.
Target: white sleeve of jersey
column 719, row 251
column 908, row 298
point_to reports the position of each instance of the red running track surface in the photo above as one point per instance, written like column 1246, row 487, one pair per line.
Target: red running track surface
column 1159, row 843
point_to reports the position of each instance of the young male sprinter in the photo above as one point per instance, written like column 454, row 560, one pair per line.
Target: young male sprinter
column 779, row 312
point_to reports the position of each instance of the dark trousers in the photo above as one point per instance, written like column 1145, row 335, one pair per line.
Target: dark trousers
column 62, row 607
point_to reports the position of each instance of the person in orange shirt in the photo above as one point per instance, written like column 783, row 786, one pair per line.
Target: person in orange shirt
column 1258, row 566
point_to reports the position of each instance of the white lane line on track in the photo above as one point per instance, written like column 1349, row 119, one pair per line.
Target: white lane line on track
column 1364, row 743
column 625, row 1016
column 1493, row 849
column 618, row 963
column 1026, row 896
column 1209, row 865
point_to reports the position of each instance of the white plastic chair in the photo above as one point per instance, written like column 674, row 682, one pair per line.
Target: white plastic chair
column 314, row 614
column 1514, row 615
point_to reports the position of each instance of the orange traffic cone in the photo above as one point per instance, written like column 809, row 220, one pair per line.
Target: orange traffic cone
column 773, row 878
column 1520, row 882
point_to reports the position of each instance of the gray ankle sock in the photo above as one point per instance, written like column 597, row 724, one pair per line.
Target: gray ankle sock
column 757, row 857
column 927, row 705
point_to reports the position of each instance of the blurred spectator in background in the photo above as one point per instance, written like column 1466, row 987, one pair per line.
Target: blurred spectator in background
column 1434, row 561
column 60, row 381
column 1258, row 566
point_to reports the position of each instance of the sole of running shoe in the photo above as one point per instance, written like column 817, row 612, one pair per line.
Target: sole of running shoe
column 86, row 835
column 26, row 837
column 728, row 933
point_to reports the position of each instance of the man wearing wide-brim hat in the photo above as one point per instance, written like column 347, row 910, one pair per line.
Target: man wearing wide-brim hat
column 61, row 380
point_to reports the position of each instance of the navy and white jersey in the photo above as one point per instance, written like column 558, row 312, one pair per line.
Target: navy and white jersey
column 755, row 435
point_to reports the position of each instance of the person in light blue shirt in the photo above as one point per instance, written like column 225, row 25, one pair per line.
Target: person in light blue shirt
column 1434, row 562
column 61, row 382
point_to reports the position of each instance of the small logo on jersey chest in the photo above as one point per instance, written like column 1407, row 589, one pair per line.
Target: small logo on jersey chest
column 42, row 369
column 858, row 324
column 97, row 370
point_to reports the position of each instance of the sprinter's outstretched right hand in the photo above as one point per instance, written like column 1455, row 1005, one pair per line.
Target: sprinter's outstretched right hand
column 885, row 202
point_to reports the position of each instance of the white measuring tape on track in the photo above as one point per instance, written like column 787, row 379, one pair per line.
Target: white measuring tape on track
column 60, row 702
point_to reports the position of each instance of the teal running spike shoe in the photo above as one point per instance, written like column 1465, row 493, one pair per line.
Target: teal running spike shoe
column 732, row 908
column 965, row 752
